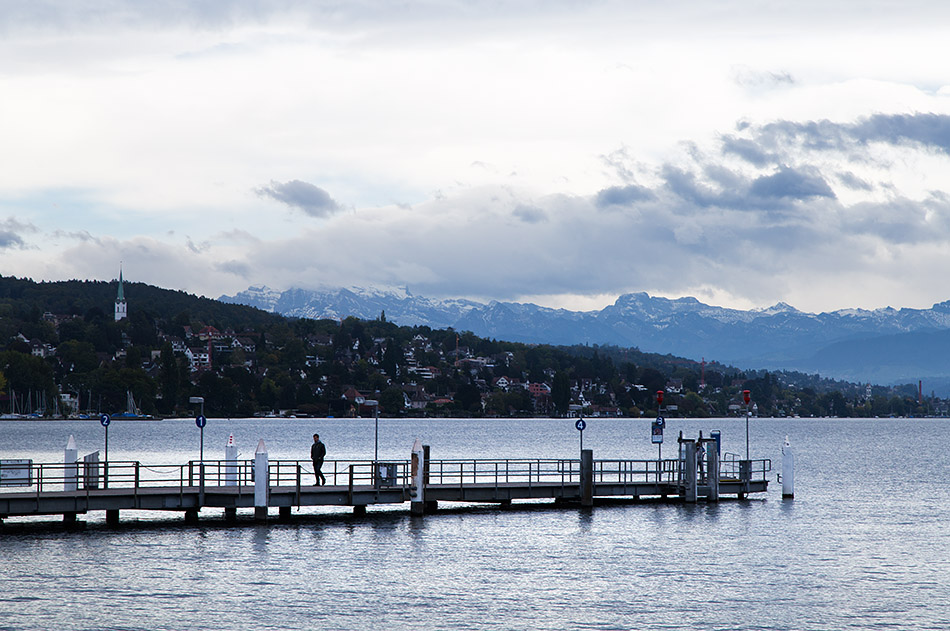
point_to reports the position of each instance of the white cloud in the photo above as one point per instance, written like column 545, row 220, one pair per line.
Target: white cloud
column 491, row 150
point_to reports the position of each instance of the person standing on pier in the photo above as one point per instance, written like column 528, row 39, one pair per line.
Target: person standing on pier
column 318, row 452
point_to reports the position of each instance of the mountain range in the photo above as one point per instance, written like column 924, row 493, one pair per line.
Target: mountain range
column 881, row 346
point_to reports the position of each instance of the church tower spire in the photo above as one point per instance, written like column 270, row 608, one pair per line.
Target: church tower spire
column 121, row 307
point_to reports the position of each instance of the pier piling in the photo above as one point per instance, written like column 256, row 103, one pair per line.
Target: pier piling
column 788, row 470
column 417, row 473
column 261, row 467
column 70, row 458
column 587, row 477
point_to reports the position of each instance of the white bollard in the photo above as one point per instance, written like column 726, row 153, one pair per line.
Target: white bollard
column 417, row 479
column 71, row 470
column 230, row 463
column 260, row 481
column 788, row 470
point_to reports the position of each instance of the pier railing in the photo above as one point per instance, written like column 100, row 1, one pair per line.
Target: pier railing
column 52, row 477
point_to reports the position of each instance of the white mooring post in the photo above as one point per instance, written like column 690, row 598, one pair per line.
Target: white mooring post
column 260, row 481
column 788, row 470
column 417, row 479
column 230, row 463
column 71, row 471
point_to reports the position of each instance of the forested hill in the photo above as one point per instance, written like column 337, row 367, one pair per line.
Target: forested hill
column 22, row 297
column 63, row 350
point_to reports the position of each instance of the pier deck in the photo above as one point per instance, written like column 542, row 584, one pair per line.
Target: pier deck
column 73, row 489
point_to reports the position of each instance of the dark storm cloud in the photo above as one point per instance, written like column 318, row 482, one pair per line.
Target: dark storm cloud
column 623, row 195
column 304, row 196
column 789, row 183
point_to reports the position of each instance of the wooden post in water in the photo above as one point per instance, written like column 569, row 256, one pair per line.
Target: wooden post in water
column 587, row 477
column 261, row 465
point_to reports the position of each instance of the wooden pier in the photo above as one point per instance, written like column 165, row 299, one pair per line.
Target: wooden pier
column 78, row 488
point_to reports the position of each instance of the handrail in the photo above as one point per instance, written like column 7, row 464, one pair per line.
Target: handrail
column 102, row 476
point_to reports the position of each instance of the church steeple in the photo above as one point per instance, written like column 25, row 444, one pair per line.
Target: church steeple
column 121, row 307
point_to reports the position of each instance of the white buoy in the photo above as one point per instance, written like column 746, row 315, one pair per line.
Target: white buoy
column 260, row 481
column 71, row 470
column 230, row 463
column 416, row 481
column 788, row 470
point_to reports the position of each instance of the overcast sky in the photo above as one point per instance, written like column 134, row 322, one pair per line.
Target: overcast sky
column 561, row 153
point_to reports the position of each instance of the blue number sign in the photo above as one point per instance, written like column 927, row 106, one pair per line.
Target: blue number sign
column 657, row 434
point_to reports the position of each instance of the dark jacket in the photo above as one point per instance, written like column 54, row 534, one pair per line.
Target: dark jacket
column 318, row 451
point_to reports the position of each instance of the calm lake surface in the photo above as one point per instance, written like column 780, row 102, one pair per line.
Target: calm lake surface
column 865, row 543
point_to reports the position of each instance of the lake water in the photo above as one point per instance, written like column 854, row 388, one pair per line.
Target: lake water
column 865, row 543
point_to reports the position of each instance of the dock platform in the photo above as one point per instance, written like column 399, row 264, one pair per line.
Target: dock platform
column 78, row 488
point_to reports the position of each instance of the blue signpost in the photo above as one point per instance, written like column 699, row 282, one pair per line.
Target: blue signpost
column 105, row 420
column 658, row 425
column 580, row 425
column 201, row 421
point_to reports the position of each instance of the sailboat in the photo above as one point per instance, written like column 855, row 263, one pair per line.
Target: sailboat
column 13, row 414
column 132, row 411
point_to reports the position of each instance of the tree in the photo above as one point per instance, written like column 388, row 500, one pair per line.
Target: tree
column 169, row 378
column 468, row 398
column 561, row 392
column 392, row 400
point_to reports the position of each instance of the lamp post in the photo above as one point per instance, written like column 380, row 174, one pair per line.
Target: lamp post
column 200, row 421
column 746, row 397
column 375, row 405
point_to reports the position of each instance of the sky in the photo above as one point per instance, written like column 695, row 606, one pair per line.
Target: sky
column 559, row 152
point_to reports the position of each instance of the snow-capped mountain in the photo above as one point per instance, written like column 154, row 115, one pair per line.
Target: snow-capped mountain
column 881, row 345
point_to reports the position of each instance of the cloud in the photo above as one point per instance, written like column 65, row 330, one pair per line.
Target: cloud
column 762, row 79
column 529, row 214
column 791, row 183
column 748, row 150
column 304, row 196
column 622, row 195
column 929, row 130
column 10, row 240
column 234, row 267
column 854, row 182
column 11, row 232
column 921, row 129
